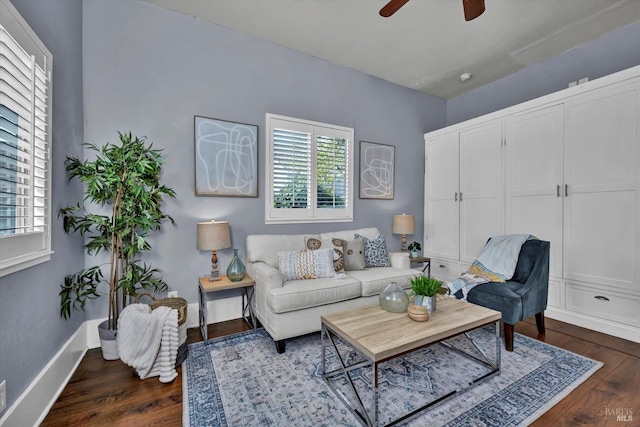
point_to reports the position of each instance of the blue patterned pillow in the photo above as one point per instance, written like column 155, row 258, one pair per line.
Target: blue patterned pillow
column 375, row 251
column 300, row 265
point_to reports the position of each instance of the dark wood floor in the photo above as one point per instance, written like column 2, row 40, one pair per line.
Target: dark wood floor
column 108, row 393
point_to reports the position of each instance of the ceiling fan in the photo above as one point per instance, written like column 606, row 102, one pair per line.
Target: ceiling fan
column 472, row 8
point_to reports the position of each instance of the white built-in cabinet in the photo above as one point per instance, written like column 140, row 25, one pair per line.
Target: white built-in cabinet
column 534, row 182
column 465, row 192
column 565, row 168
column 601, row 181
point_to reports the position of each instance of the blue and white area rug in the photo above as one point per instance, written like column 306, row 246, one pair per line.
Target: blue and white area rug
column 241, row 380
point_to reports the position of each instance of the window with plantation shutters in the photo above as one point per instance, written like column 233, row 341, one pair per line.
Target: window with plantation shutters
column 25, row 63
column 309, row 171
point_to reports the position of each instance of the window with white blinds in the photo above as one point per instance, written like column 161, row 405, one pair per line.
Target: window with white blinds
column 309, row 171
column 25, row 103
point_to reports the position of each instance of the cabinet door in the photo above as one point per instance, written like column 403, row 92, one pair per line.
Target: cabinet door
column 601, row 207
column 441, row 222
column 534, row 180
column 481, row 188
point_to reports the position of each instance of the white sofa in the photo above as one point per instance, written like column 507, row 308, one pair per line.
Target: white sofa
column 292, row 308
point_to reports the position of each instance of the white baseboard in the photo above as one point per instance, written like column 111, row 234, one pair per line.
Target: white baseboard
column 34, row 403
column 600, row 325
column 93, row 338
column 218, row 311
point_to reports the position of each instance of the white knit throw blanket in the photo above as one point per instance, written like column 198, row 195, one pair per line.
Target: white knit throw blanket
column 148, row 340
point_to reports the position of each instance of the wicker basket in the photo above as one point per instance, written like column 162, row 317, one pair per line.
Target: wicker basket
column 418, row 313
column 179, row 304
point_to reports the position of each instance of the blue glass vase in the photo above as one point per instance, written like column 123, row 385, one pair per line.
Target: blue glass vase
column 236, row 270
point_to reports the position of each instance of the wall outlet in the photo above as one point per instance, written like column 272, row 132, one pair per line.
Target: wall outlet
column 172, row 294
column 3, row 395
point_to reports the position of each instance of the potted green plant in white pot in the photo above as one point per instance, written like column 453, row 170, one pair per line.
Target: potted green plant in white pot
column 414, row 249
column 122, row 183
column 425, row 290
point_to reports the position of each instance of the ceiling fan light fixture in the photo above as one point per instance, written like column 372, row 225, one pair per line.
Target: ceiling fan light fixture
column 465, row 76
column 392, row 7
column 472, row 9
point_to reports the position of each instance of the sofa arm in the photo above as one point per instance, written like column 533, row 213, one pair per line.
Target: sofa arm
column 399, row 260
column 266, row 276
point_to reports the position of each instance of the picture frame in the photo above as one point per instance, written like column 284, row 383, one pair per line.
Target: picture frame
column 377, row 171
column 226, row 158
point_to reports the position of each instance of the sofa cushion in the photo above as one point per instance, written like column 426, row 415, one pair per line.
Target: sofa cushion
column 301, row 294
column 353, row 253
column 375, row 251
column 374, row 280
column 265, row 247
column 306, row 264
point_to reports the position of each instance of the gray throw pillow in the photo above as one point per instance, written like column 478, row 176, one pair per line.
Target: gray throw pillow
column 353, row 253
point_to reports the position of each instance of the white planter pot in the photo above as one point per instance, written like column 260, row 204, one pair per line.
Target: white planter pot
column 108, row 341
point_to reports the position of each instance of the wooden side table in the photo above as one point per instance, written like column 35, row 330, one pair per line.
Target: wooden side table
column 426, row 261
column 205, row 287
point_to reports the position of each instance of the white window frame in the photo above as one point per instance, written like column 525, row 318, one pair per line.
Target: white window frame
column 312, row 214
column 24, row 250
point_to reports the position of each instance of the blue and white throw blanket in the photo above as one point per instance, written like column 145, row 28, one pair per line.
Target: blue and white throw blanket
column 496, row 263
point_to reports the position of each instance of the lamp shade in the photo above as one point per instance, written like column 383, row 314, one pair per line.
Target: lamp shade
column 213, row 235
column 404, row 224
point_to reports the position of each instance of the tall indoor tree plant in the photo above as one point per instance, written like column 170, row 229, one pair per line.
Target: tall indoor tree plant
column 123, row 181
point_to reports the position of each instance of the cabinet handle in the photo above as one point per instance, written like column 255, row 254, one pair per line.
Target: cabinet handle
column 566, row 190
column 461, row 196
column 601, row 298
column 455, row 197
column 558, row 190
column 443, row 266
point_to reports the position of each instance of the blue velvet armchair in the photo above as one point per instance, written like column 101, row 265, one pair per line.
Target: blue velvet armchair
column 524, row 295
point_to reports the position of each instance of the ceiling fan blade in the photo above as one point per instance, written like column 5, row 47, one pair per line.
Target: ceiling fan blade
column 472, row 9
column 392, row 7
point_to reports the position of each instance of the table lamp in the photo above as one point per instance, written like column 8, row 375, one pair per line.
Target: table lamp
column 404, row 224
column 214, row 235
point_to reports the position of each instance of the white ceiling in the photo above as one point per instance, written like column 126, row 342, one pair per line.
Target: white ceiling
column 427, row 44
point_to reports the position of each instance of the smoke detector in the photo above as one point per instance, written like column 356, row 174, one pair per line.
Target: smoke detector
column 465, row 76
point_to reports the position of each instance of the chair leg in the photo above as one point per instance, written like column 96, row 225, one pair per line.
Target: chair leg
column 280, row 347
column 540, row 322
column 508, row 336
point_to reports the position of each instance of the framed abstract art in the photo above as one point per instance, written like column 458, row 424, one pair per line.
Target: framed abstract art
column 377, row 170
column 226, row 158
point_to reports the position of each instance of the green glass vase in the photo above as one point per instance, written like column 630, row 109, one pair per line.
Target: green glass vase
column 236, row 270
column 394, row 298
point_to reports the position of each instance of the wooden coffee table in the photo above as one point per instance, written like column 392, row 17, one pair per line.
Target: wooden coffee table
column 380, row 336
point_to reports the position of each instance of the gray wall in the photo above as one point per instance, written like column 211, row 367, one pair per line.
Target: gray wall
column 150, row 71
column 31, row 329
column 155, row 69
column 608, row 54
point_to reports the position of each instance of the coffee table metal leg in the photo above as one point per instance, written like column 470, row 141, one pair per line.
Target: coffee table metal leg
column 345, row 370
column 493, row 365
column 375, row 394
column 373, row 419
column 498, row 346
